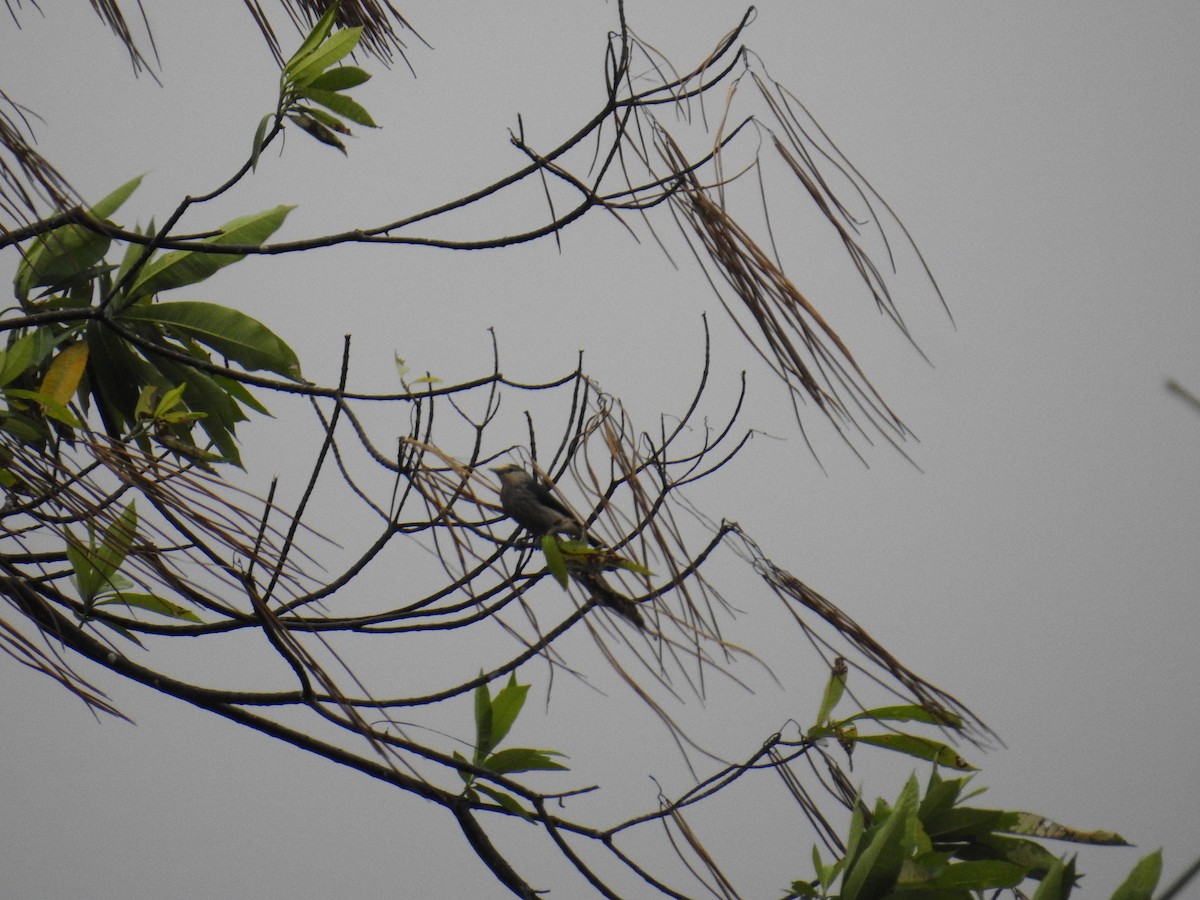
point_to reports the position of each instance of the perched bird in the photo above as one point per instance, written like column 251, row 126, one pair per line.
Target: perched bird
column 532, row 506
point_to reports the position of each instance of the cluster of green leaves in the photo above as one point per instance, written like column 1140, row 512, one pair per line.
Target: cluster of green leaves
column 140, row 349
column 97, row 334
column 935, row 847
column 35, row 382
column 312, row 87
column 95, row 569
column 494, row 717
column 109, row 360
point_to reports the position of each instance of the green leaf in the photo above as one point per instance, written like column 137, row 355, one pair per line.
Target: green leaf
column 940, row 796
column 151, row 603
column 117, row 540
column 123, row 632
column 1057, row 883
column 855, row 833
column 1030, row 855
column 506, row 706
column 16, row 359
column 66, row 252
column 204, row 395
column 25, row 353
column 466, row 776
column 522, row 759
column 232, row 334
column 183, row 267
column 57, row 257
column 834, row 688
column 260, row 135
column 188, row 451
column 114, row 201
column 332, row 50
column 1142, row 880
column 919, row 747
column 133, row 252
column 87, row 579
column 118, row 583
column 918, row 872
column 319, row 32
column 507, row 801
column 873, row 872
column 49, row 407
column 979, row 876
column 95, row 564
column 483, row 723
column 918, row 842
column 802, row 889
column 21, row 427
column 116, row 376
column 240, row 393
column 554, row 558
column 169, row 401
column 906, row 713
column 154, row 403
column 965, row 822
column 826, row 875
column 340, row 79
column 340, row 104
column 161, row 409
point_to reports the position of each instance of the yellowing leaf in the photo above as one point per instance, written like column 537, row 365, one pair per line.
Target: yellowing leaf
column 62, row 378
column 1016, row 822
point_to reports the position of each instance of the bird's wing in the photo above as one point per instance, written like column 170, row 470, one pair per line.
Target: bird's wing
column 548, row 499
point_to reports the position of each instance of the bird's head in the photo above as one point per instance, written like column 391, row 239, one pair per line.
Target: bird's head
column 510, row 472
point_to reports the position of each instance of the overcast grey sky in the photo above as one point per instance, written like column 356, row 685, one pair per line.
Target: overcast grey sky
column 1043, row 566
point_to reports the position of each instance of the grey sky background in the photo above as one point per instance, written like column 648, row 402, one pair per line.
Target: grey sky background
column 1043, row 566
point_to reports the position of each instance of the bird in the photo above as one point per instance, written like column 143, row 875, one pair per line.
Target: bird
column 531, row 505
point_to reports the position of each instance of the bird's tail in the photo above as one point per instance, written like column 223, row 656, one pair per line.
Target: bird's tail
column 606, row 596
